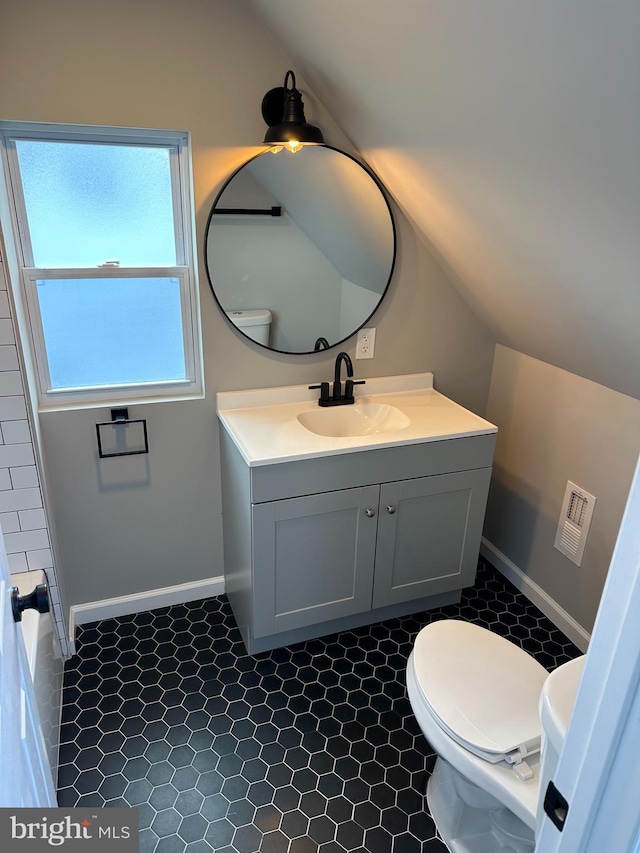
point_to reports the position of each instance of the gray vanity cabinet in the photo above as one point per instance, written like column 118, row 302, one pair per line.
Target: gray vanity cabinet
column 325, row 544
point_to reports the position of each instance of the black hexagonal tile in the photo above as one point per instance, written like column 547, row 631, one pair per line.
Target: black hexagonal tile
column 163, row 797
column 219, row 833
column 294, row 823
column 306, row 749
column 166, row 822
column 193, row 828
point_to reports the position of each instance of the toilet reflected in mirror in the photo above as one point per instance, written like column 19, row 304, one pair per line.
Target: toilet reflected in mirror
column 255, row 323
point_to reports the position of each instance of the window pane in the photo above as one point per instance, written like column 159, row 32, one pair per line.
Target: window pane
column 112, row 331
column 89, row 203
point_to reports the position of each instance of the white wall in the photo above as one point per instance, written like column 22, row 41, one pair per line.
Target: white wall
column 202, row 66
column 356, row 303
column 339, row 206
column 554, row 426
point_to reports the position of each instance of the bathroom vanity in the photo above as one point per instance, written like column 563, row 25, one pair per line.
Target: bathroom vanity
column 335, row 519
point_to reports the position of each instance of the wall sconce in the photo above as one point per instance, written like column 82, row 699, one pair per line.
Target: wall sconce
column 283, row 111
column 121, row 436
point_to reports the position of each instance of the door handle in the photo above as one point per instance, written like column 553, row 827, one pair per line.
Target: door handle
column 391, row 509
column 370, row 512
column 36, row 600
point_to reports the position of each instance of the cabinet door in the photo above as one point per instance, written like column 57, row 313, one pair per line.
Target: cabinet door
column 313, row 558
column 429, row 535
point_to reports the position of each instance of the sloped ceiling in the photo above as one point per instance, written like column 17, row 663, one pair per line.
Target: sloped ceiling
column 510, row 135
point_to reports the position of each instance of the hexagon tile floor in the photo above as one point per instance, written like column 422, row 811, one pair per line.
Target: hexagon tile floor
column 307, row 749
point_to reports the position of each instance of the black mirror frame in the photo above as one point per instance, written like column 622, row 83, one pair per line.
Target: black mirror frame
column 383, row 193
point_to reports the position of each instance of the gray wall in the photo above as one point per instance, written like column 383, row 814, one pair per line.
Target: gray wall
column 203, row 66
column 509, row 132
column 553, row 427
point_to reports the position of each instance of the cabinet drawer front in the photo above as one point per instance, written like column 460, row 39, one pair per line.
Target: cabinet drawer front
column 370, row 467
column 313, row 559
column 429, row 535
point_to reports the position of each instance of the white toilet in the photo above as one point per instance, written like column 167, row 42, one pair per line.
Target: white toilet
column 497, row 720
column 254, row 322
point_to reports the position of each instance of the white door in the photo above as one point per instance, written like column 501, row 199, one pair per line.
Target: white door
column 599, row 769
column 25, row 778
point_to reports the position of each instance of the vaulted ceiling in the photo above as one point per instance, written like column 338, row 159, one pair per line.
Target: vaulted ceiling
column 509, row 133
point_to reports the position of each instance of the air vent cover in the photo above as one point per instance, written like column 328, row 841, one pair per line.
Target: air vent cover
column 575, row 520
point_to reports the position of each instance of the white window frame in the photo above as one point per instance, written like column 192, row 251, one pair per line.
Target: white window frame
column 185, row 269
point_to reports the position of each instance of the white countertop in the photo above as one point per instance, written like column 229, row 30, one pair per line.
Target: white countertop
column 264, row 425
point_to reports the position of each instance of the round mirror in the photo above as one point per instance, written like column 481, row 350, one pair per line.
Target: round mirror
column 300, row 248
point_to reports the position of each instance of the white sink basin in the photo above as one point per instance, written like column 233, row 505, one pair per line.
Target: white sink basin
column 272, row 425
column 357, row 419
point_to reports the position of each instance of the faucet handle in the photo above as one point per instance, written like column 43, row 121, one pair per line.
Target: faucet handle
column 348, row 387
column 324, row 391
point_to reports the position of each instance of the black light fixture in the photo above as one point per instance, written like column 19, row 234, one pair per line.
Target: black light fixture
column 283, row 111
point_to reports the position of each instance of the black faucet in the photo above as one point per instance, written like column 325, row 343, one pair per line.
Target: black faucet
column 321, row 343
column 337, row 383
column 338, row 398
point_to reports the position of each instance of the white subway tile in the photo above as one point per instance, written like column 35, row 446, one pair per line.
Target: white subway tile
column 10, row 383
column 12, row 409
column 39, row 559
column 31, row 519
column 17, row 563
column 16, row 455
column 9, row 522
column 16, row 432
column 57, row 613
column 30, row 540
column 9, row 357
column 24, row 478
column 65, row 649
column 17, row 499
column 54, row 594
column 6, row 332
column 5, row 480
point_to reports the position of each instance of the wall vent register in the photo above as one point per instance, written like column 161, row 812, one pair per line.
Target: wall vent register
column 575, row 521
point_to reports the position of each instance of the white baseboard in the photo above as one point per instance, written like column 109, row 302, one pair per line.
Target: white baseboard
column 536, row 595
column 151, row 599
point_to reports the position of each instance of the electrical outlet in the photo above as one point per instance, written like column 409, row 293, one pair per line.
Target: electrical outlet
column 365, row 343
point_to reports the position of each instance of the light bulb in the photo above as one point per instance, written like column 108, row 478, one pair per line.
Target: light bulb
column 293, row 145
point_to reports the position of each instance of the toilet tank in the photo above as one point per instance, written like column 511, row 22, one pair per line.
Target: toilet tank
column 253, row 322
column 556, row 706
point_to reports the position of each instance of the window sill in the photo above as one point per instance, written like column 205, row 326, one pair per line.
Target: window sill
column 68, row 401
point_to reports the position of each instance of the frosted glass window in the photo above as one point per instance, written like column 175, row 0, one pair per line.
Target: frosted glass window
column 88, row 203
column 118, row 331
column 105, row 245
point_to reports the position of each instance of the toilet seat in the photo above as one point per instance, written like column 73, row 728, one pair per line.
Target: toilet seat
column 483, row 690
column 499, row 780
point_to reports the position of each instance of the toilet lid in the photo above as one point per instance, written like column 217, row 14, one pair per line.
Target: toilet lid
column 482, row 688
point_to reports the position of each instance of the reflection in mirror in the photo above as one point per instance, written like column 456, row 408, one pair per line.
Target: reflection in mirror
column 320, row 264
